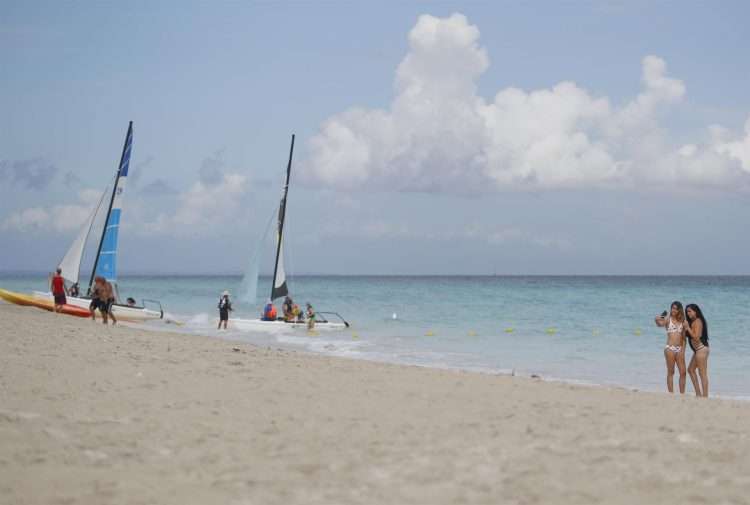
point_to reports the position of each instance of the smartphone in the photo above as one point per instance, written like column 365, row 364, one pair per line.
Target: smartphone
column 664, row 314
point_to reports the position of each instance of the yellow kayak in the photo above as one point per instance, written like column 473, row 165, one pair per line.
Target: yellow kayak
column 21, row 299
column 17, row 298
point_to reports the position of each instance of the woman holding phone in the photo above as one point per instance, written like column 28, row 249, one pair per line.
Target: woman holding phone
column 697, row 334
column 674, row 351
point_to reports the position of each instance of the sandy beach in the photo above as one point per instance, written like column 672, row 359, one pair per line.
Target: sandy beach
column 99, row 415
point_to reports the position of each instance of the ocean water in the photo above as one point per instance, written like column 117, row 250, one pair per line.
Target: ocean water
column 596, row 330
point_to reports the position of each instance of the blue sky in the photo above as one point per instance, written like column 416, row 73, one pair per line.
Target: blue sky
column 461, row 138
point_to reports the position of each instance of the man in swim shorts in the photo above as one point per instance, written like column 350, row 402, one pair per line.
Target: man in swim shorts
column 57, row 286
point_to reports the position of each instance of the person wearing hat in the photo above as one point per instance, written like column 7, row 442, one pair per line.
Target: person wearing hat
column 225, row 306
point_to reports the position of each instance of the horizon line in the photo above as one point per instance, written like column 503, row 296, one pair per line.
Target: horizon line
column 324, row 274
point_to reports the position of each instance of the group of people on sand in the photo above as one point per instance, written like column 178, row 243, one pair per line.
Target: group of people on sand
column 292, row 312
column 102, row 296
column 683, row 326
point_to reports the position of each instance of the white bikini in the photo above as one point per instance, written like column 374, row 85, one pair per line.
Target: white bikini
column 674, row 328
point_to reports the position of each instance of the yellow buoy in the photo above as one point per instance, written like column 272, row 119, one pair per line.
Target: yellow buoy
column 637, row 331
column 508, row 330
column 429, row 333
column 595, row 332
column 472, row 333
column 551, row 331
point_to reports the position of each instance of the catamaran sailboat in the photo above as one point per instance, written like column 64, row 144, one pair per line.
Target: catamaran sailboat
column 279, row 286
column 105, row 263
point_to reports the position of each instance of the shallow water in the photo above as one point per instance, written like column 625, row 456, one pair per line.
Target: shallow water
column 589, row 329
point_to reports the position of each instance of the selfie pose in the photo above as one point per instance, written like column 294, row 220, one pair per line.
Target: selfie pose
column 674, row 351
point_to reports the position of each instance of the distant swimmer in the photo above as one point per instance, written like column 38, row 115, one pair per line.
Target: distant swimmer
column 674, row 351
column 57, row 286
column 269, row 312
column 697, row 337
column 225, row 307
column 310, row 317
column 130, row 302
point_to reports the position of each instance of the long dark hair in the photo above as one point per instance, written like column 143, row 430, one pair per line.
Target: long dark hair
column 699, row 315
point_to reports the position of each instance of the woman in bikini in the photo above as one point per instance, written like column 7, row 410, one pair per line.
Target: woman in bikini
column 674, row 351
column 697, row 335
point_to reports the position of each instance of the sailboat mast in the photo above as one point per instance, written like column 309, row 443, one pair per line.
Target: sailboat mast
column 111, row 201
column 282, row 215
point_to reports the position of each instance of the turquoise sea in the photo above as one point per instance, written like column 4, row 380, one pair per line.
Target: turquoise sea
column 596, row 330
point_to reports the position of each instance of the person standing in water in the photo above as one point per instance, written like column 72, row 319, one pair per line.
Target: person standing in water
column 288, row 309
column 674, row 351
column 269, row 312
column 697, row 337
column 225, row 306
column 310, row 317
column 57, row 286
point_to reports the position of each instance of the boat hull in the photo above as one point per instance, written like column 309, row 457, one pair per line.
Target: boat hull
column 120, row 311
column 46, row 304
column 261, row 325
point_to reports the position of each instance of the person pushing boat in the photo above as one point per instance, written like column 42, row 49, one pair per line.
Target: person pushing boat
column 310, row 317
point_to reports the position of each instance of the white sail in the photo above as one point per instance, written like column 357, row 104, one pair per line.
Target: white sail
column 279, row 287
column 249, row 285
column 71, row 262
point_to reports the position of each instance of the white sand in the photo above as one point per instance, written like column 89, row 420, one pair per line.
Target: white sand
column 99, row 415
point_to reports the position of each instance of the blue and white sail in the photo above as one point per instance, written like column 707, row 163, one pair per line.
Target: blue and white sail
column 106, row 260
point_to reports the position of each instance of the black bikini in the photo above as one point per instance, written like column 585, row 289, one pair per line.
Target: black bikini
column 703, row 339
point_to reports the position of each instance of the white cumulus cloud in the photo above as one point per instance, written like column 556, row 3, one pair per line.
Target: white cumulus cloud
column 439, row 134
column 200, row 210
column 203, row 208
column 739, row 149
column 56, row 218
